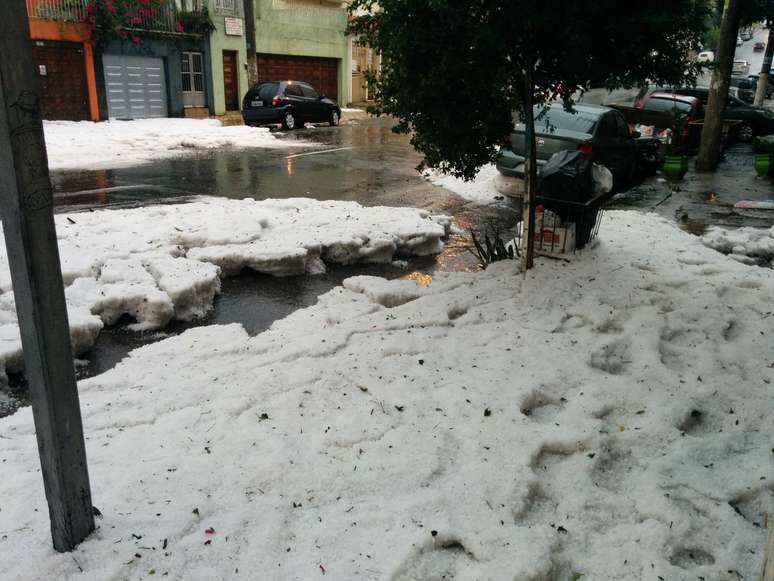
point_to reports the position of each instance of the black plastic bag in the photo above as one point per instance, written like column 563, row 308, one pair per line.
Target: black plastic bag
column 567, row 176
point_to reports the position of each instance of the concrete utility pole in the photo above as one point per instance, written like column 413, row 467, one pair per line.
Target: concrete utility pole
column 763, row 78
column 26, row 204
column 530, row 173
column 252, row 59
column 709, row 148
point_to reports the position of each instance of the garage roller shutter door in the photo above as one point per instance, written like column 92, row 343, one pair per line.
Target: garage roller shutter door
column 135, row 86
column 321, row 73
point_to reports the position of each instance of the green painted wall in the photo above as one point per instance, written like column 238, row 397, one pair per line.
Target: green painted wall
column 220, row 41
column 305, row 28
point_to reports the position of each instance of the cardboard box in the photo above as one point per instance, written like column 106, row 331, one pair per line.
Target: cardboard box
column 556, row 240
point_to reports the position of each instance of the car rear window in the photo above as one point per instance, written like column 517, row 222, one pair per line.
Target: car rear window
column 558, row 118
column 267, row 91
column 662, row 104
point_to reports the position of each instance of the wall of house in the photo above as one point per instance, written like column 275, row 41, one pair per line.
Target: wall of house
column 169, row 49
column 305, row 28
column 220, row 41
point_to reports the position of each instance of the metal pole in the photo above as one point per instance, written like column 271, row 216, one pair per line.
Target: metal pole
column 530, row 173
column 250, row 41
column 30, row 238
column 763, row 78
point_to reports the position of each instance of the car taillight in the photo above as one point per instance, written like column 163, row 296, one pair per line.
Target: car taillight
column 275, row 100
column 586, row 149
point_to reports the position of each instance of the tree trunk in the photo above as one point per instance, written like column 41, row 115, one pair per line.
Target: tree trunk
column 763, row 78
column 252, row 65
column 530, row 174
column 709, row 150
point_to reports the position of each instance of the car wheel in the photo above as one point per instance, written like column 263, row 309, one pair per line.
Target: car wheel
column 745, row 133
column 334, row 120
column 289, row 120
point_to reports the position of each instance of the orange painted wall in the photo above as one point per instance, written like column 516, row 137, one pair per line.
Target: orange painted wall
column 56, row 30
column 71, row 32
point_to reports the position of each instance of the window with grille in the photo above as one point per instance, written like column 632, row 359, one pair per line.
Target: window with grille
column 193, row 72
column 227, row 7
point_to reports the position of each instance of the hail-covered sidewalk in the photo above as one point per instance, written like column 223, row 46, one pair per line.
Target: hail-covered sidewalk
column 110, row 144
column 603, row 418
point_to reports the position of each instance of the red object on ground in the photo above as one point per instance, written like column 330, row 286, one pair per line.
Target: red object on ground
column 209, row 531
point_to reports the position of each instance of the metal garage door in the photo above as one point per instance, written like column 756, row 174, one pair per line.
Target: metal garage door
column 321, row 73
column 135, row 86
column 62, row 74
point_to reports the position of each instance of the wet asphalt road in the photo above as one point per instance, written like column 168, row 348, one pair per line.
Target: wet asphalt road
column 365, row 162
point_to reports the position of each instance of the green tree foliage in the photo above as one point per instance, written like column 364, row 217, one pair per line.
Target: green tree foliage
column 453, row 70
column 756, row 11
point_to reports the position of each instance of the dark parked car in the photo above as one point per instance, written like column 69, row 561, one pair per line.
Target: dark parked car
column 680, row 105
column 291, row 103
column 769, row 86
column 599, row 132
column 754, row 120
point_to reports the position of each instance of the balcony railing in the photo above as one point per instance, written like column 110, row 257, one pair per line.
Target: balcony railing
column 67, row 10
column 164, row 18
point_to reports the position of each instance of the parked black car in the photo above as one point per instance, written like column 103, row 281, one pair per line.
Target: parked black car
column 769, row 86
column 291, row 103
column 742, row 88
column 599, row 132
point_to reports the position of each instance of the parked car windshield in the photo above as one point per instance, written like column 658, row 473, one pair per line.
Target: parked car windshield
column 557, row 118
column 267, row 91
column 661, row 104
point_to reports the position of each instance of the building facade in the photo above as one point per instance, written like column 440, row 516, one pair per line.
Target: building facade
column 161, row 69
column 186, row 58
column 64, row 55
column 304, row 40
column 228, row 55
column 364, row 60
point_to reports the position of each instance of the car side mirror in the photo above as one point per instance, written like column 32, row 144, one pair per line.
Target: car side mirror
column 635, row 134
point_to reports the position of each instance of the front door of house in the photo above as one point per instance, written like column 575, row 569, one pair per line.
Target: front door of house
column 230, row 81
column 192, row 69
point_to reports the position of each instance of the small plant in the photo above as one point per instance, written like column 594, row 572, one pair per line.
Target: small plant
column 196, row 21
column 118, row 19
column 492, row 249
column 675, row 142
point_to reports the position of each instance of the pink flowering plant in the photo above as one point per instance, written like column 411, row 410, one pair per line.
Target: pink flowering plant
column 109, row 19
